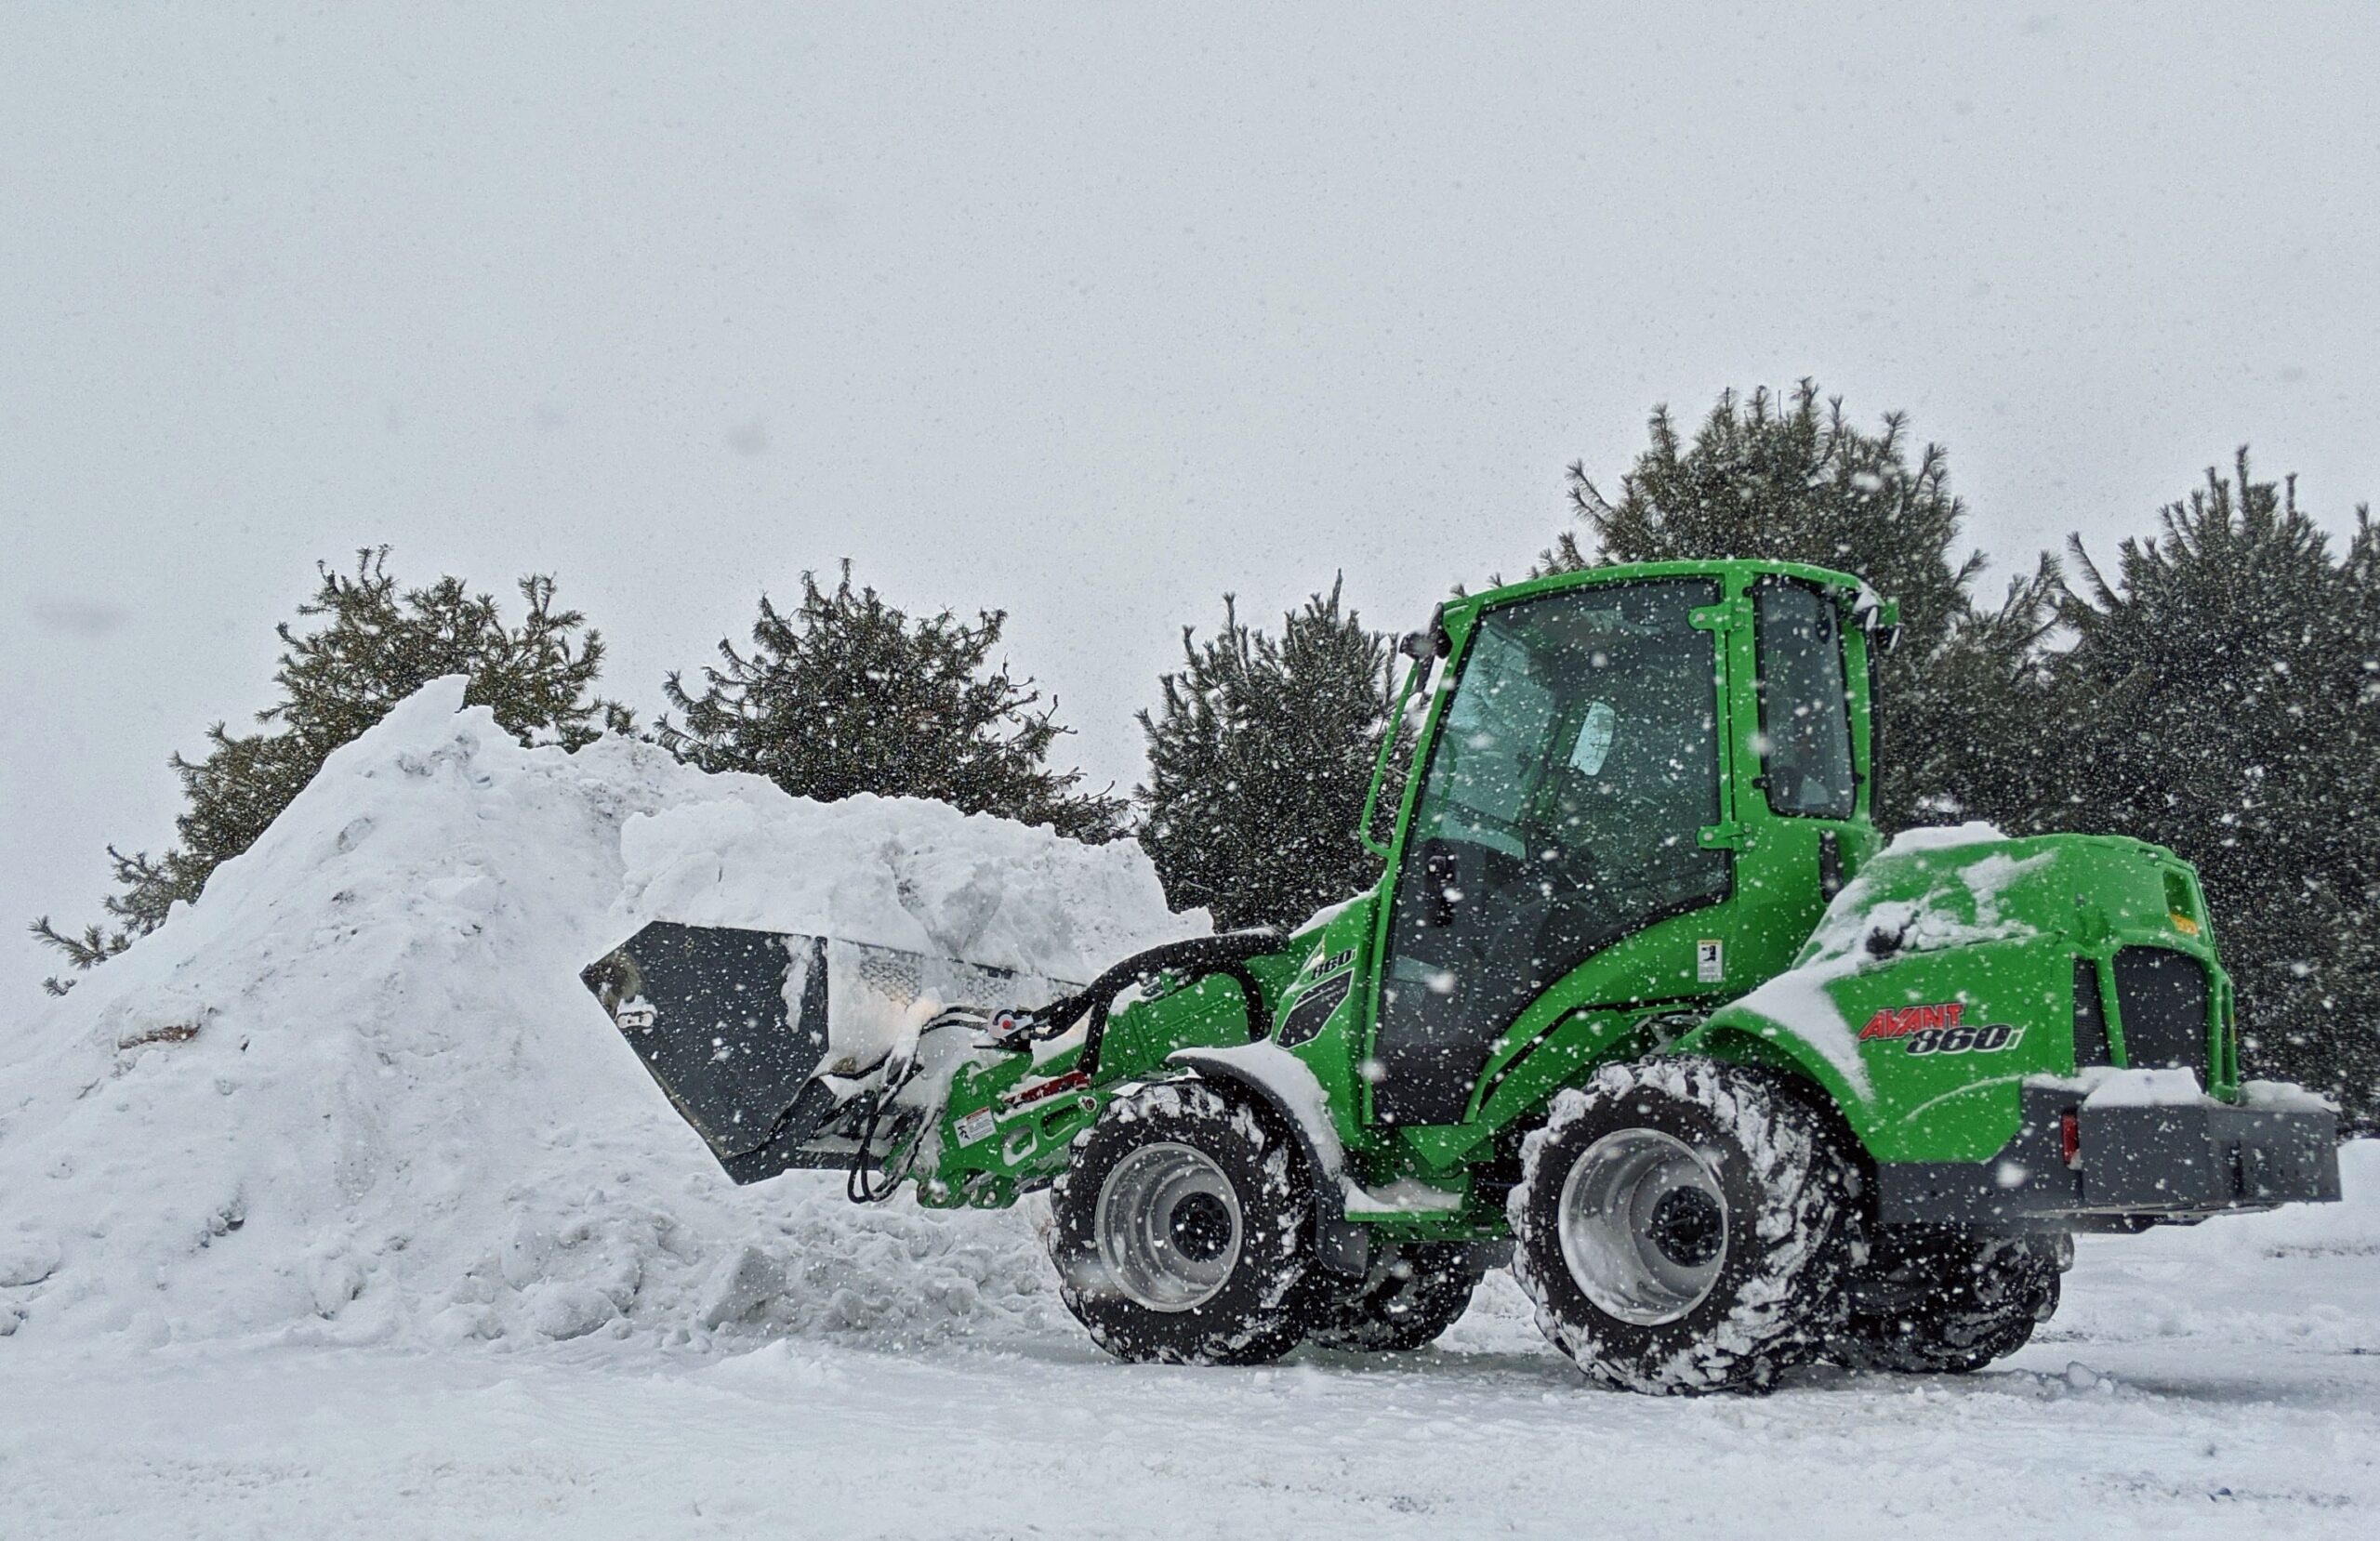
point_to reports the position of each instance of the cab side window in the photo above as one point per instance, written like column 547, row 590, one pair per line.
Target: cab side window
column 1805, row 716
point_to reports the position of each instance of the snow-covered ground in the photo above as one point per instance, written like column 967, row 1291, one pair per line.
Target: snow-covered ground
column 2219, row 1382
column 339, row 1208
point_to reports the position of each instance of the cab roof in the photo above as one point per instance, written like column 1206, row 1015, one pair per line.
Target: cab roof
column 1733, row 572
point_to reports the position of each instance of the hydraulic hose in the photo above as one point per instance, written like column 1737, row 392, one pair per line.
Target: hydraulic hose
column 1226, row 955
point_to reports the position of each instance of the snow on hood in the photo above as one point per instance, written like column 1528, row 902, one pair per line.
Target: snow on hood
column 357, row 1091
column 1974, row 831
column 1800, row 1000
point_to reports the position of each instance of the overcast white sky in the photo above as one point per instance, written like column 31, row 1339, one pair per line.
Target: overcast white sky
column 1090, row 312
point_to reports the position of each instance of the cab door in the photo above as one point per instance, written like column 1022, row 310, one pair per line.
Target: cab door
column 1568, row 783
column 1810, row 832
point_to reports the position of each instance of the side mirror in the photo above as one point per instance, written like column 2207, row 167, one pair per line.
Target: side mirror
column 1431, row 641
column 1877, row 618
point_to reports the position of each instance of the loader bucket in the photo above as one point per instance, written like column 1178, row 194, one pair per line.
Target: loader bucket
column 759, row 1039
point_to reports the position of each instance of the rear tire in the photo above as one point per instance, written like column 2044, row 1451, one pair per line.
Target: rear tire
column 1681, row 1226
column 1409, row 1295
column 1937, row 1300
column 1179, row 1229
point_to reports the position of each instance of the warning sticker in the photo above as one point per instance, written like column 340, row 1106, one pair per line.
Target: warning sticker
column 975, row 1127
column 1057, row 1086
column 1710, row 963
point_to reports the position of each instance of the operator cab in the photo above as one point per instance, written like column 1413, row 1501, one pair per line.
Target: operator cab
column 1574, row 795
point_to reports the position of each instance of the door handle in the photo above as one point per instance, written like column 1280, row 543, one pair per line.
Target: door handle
column 1830, row 864
column 1438, row 878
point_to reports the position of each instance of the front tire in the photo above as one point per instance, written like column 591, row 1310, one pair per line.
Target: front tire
column 1179, row 1229
column 1681, row 1226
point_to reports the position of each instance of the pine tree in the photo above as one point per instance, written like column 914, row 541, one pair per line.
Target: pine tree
column 1796, row 481
column 2222, row 697
column 1260, row 756
column 848, row 694
column 375, row 644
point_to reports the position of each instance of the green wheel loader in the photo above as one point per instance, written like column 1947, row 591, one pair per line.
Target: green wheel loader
column 1641, row 1005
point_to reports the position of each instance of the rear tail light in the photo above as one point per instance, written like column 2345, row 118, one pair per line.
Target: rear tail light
column 2070, row 1138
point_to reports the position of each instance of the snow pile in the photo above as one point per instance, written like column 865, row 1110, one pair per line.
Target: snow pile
column 358, row 1092
column 898, row 873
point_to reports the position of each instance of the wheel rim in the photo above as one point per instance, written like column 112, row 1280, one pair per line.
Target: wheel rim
column 1643, row 1226
column 1168, row 1227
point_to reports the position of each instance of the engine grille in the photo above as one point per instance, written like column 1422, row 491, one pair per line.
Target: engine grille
column 2161, row 1008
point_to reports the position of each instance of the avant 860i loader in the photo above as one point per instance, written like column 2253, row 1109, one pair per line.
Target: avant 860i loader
column 1641, row 1005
